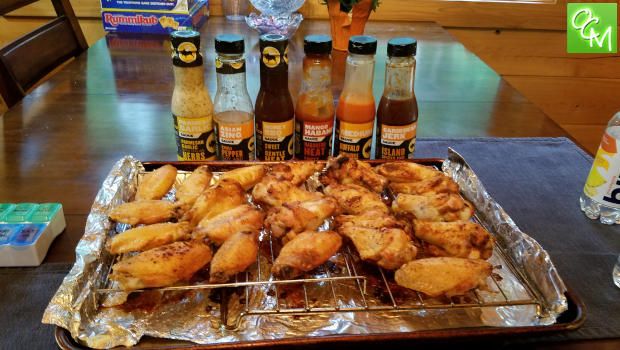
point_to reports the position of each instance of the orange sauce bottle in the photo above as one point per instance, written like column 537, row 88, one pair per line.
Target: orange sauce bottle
column 314, row 113
column 355, row 114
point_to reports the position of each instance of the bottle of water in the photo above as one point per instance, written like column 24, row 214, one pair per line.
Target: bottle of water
column 601, row 194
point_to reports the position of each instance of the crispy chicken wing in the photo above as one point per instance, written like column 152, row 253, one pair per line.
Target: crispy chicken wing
column 223, row 196
column 220, row 227
column 343, row 170
column 433, row 185
column 147, row 237
column 273, row 192
column 305, row 252
column 234, row 256
column 193, row 185
column 162, row 266
column 443, row 276
column 144, row 212
column 389, row 248
column 406, row 171
column 437, row 207
column 355, row 199
column 291, row 218
column 295, row 172
column 372, row 219
column 247, row 176
column 460, row 239
column 157, row 183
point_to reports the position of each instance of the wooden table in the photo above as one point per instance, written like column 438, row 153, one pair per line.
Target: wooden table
column 60, row 142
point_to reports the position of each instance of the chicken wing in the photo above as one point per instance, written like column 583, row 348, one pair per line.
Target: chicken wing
column 443, row 276
column 223, row 196
column 295, row 172
column 389, row 248
column 291, row 218
column 157, row 183
column 220, row 227
column 193, row 185
column 433, row 185
column 162, row 266
column 406, row 171
column 305, row 252
column 355, row 199
column 272, row 192
column 234, row 256
column 372, row 219
column 247, row 176
column 437, row 207
column 343, row 170
column 460, row 239
column 144, row 212
column 148, row 237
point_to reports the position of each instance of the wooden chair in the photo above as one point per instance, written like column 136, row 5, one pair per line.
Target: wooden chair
column 28, row 59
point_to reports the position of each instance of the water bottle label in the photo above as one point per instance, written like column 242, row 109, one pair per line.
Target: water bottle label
column 603, row 183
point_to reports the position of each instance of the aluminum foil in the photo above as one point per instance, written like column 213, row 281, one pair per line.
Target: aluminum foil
column 195, row 315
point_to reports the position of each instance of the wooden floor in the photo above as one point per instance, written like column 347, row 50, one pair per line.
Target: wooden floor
column 579, row 92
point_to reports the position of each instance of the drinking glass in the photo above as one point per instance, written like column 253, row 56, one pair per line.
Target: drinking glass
column 235, row 10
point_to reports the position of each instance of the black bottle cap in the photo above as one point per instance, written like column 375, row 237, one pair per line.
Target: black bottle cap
column 186, row 46
column 229, row 43
column 317, row 44
column 402, row 47
column 363, row 45
column 274, row 40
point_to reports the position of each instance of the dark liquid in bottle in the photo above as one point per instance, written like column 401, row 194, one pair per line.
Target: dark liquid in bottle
column 396, row 128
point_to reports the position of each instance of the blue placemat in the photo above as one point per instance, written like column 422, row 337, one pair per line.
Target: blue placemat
column 538, row 181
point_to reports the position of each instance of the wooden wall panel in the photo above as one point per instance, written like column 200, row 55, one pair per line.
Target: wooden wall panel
column 446, row 13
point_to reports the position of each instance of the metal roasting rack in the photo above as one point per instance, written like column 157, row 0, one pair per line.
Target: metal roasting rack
column 375, row 287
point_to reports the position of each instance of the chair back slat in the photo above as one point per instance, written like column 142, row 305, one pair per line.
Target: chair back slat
column 30, row 58
column 7, row 6
column 27, row 60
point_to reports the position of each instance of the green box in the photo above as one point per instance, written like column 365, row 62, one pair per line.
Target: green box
column 592, row 28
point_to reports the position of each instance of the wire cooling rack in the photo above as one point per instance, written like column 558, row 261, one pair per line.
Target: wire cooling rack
column 347, row 284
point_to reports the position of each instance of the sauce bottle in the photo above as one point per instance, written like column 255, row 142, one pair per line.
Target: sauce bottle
column 234, row 115
column 314, row 113
column 397, row 114
column 192, row 109
column 356, row 107
column 275, row 113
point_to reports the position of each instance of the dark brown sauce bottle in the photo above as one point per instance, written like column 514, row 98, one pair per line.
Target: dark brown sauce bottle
column 275, row 113
column 397, row 114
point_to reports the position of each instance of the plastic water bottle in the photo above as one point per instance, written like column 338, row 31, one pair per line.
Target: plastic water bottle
column 601, row 194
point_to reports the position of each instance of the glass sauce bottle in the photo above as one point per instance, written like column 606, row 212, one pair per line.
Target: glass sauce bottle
column 314, row 113
column 275, row 114
column 234, row 115
column 191, row 105
column 397, row 114
column 355, row 114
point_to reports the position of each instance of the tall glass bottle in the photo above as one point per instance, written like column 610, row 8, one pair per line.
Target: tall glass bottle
column 314, row 113
column 275, row 114
column 397, row 114
column 234, row 115
column 192, row 109
column 355, row 114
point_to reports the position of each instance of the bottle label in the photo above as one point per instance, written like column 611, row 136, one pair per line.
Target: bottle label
column 195, row 138
column 396, row 141
column 235, row 141
column 313, row 140
column 603, row 183
column 353, row 139
column 276, row 140
column 229, row 68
